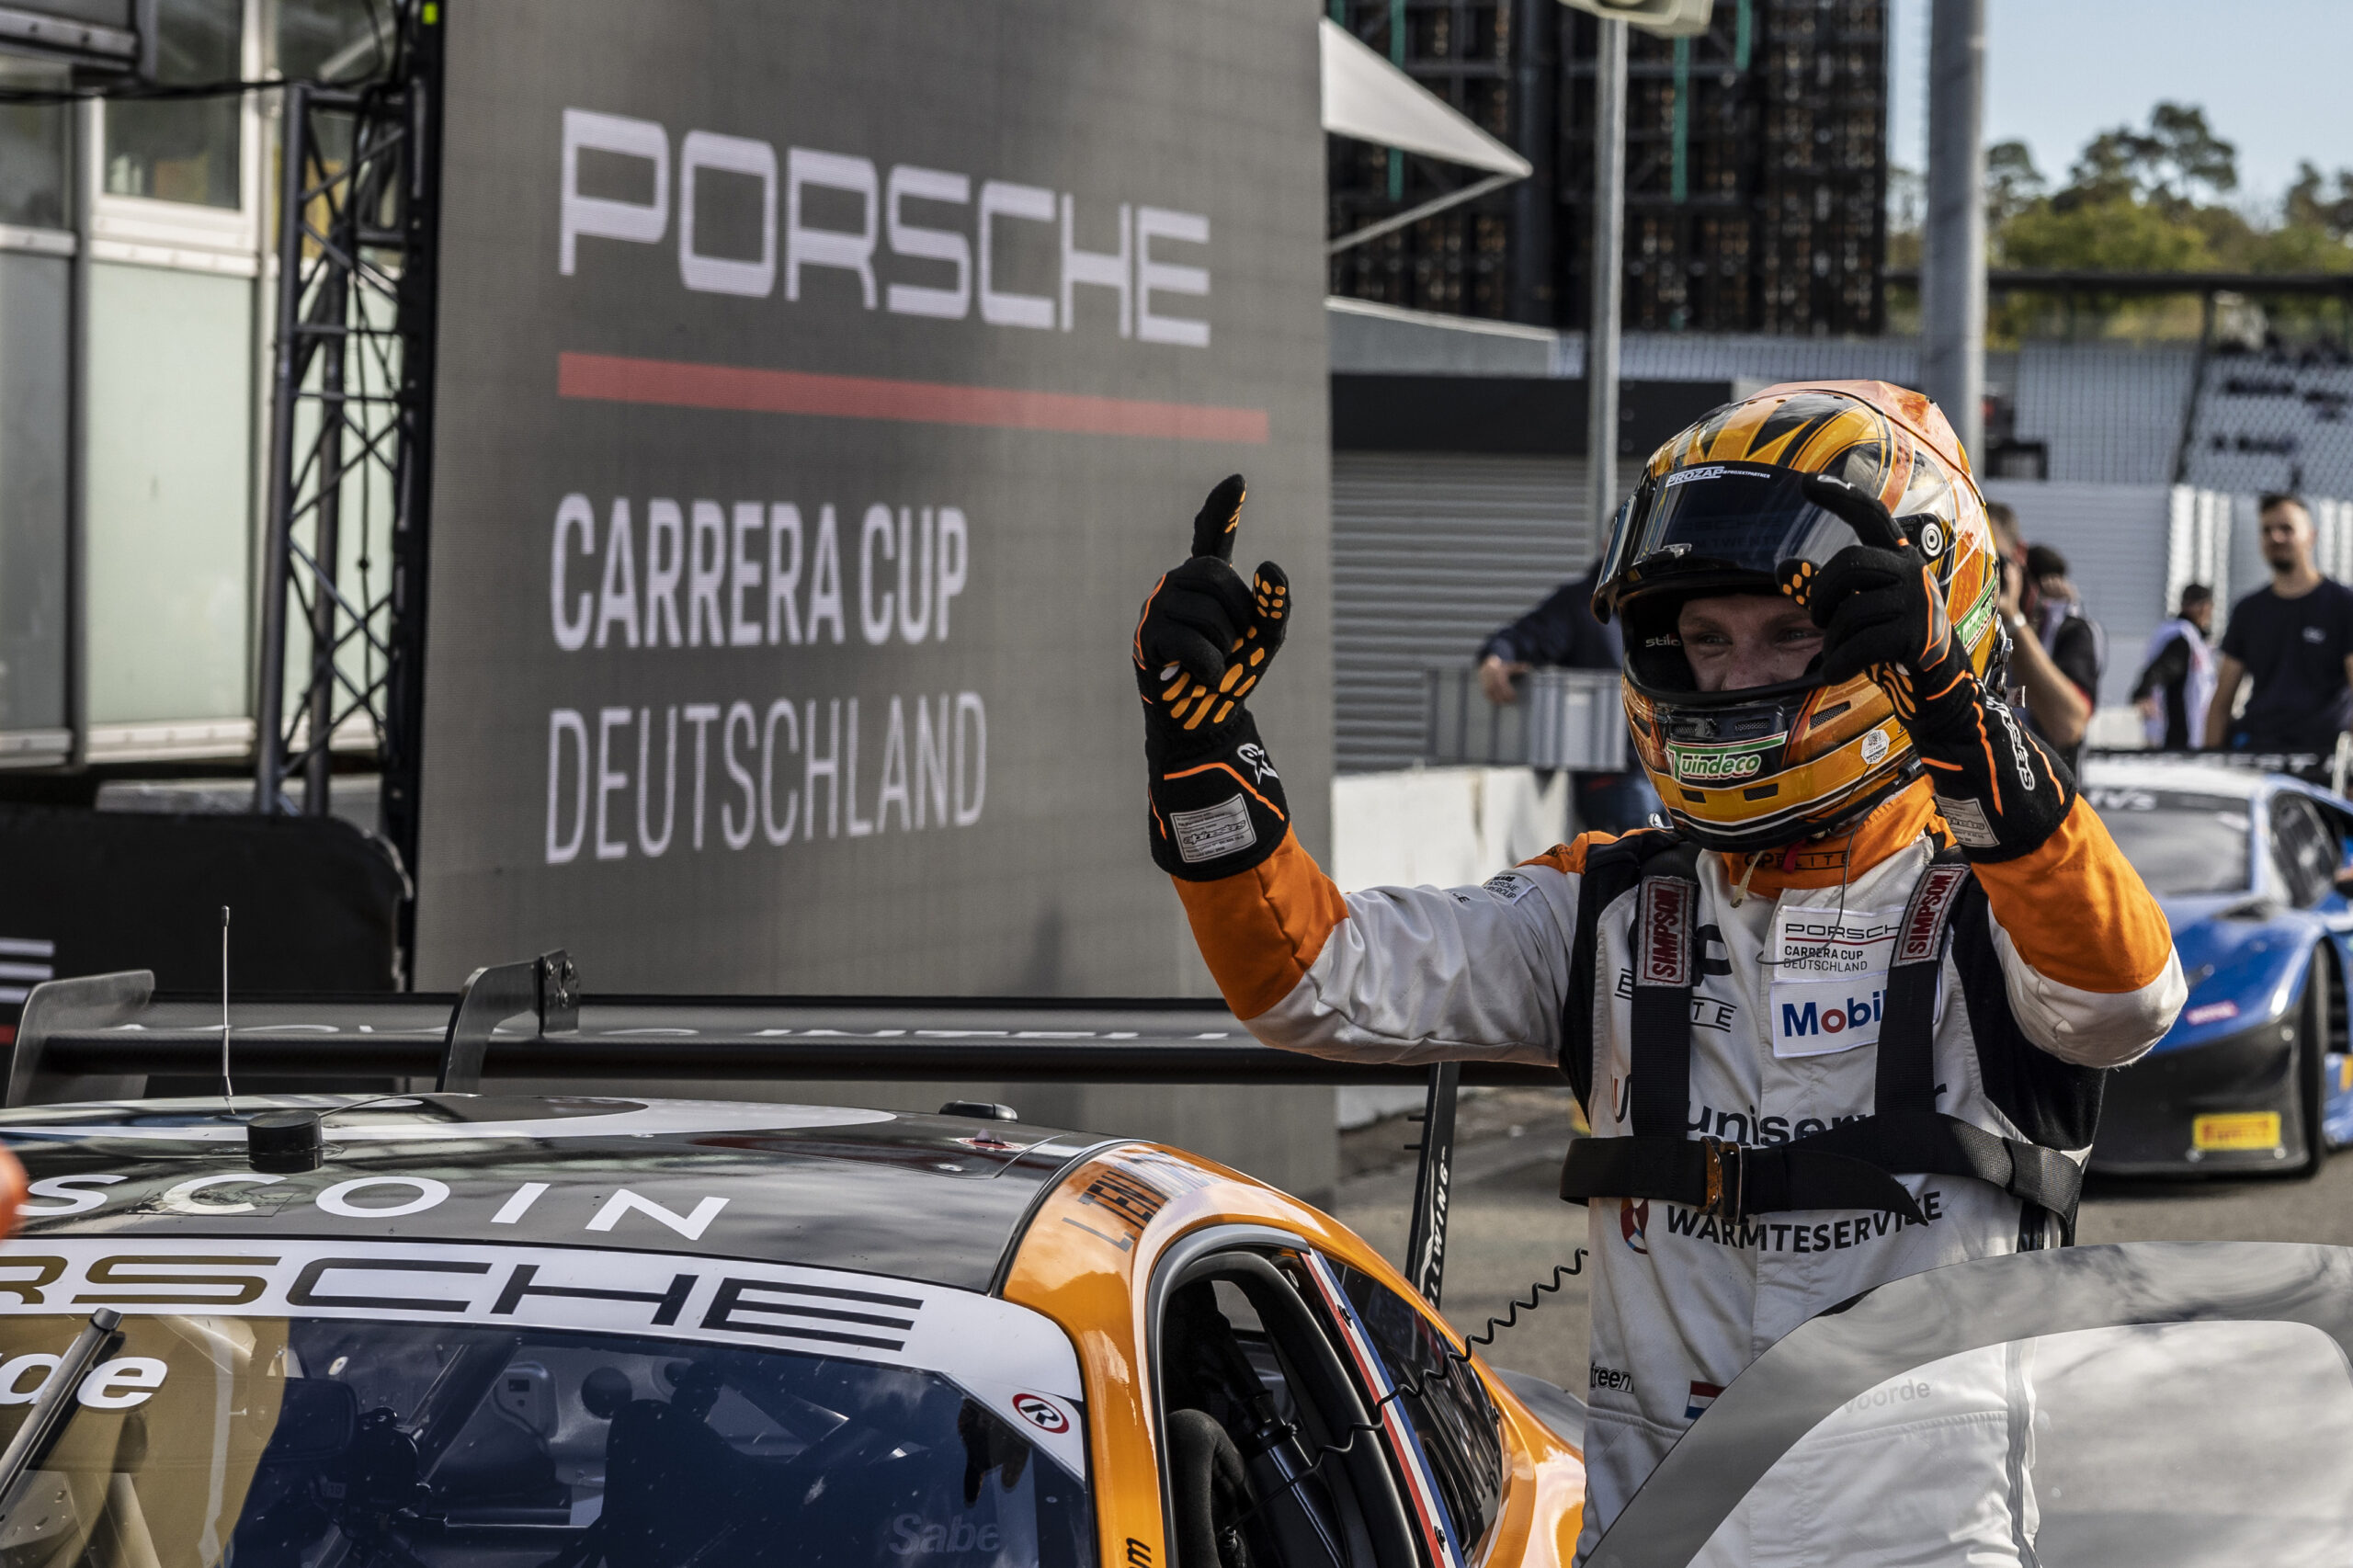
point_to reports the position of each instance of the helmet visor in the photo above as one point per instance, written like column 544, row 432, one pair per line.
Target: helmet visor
column 1728, row 524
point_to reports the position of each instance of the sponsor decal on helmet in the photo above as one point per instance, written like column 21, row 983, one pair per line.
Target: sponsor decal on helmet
column 1973, row 625
column 1875, row 746
column 1717, row 765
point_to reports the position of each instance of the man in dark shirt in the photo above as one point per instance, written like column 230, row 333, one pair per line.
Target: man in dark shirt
column 1564, row 632
column 2295, row 637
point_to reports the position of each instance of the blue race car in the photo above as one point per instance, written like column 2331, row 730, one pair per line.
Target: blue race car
column 2254, row 1076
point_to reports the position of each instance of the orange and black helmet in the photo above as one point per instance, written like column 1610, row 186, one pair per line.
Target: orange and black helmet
column 1721, row 507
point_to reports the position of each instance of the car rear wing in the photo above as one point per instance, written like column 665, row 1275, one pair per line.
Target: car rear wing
column 530, row 1020
column 2331, row 770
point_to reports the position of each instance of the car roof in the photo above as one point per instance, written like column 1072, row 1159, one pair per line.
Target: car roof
column 2178, row 773
column 938, row 1199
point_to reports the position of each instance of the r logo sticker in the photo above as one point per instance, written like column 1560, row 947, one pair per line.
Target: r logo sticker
column 1040, row 1412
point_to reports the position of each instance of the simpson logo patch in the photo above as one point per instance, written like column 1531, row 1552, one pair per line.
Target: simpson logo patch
column 1666, row 926
column 1924, row 922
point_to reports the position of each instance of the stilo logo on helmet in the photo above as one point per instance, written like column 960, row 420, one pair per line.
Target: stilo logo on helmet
column 1721, row 509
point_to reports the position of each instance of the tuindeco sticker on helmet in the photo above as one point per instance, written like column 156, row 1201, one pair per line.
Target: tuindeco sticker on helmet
column 1714, row 764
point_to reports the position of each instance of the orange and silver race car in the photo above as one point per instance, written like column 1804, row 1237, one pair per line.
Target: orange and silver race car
column 520, row 1331
column 450, row 1329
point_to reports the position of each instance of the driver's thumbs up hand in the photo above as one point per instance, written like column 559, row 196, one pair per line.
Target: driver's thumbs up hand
column 1205, row 639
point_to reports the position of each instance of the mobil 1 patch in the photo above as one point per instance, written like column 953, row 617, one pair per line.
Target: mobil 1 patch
column 1829, row 968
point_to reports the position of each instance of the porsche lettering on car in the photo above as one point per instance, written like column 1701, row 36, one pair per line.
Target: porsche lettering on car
column 645, row 1334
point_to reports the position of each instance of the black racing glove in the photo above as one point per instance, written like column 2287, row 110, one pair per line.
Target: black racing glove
column 1204, row 640
column 1883, row 614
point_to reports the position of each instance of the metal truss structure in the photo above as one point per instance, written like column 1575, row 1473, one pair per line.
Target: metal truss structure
column 351, row 435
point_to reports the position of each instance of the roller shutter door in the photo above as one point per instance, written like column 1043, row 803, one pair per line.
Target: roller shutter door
column 1430, row 553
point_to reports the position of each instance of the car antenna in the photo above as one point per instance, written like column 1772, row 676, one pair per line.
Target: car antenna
column 276, row 1140
column 228, row 1089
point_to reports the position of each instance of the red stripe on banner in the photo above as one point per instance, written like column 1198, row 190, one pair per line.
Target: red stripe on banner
column 612, row 377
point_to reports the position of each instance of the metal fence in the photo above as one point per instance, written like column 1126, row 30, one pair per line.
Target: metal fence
column 1573, row 719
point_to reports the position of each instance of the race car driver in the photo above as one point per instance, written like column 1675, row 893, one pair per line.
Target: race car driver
column 1844, row 1019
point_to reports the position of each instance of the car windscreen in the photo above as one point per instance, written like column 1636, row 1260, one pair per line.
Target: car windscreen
column 2181, row 1444
column 2182, row 844
column 291, row 1442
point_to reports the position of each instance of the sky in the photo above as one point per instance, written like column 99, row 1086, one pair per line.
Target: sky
column 2271, row 74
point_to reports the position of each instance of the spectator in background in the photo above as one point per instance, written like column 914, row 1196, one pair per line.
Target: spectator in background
column 2176, row 682
column 1564, row 632
column 2057, row 698
column 2295, row 637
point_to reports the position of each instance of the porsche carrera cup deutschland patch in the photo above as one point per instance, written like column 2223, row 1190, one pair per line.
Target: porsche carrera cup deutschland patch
column 1213, row 831
column 1830, row 978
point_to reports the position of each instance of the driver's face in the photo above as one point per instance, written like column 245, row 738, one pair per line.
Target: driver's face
column 1738, row 640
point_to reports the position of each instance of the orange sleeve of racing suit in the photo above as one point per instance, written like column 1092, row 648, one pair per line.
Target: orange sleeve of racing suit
column 1260, row 929
column 2096, row 980
column 1405, row 975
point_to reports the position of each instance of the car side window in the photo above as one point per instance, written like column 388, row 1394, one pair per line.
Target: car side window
column 1458, row 1428
column 2303, row 848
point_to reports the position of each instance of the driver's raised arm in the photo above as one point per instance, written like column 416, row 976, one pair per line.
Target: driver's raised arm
column 2087, row 957
column 1395, row 975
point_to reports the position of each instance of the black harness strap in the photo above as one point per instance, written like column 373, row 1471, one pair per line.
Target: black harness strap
column 1851, row 1166
column 1907, row 1072
column 1666, row 949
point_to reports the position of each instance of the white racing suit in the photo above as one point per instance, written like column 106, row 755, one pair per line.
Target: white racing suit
column 2062, row 966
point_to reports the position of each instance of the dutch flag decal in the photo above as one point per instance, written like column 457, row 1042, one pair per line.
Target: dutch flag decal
column 1702, row 1396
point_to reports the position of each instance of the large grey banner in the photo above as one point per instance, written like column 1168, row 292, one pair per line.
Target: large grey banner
column 820, row 385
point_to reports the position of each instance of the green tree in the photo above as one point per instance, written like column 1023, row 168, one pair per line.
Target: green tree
column 2012, row 182
column 2312, row 204
column 2169, row 166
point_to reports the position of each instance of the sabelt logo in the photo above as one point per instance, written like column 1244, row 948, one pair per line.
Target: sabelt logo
column 1714, row 764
